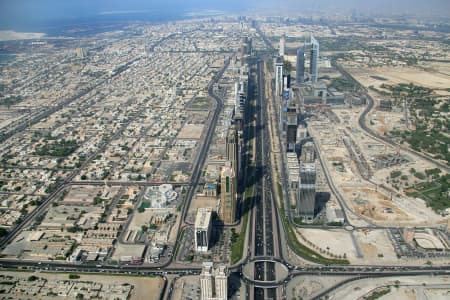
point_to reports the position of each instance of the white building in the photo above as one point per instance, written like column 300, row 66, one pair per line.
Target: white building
column 160, row 196
column 203, row 229
column 214, row 282
column 278, row 76
column 221, row 281
column 282, row 45
column 206, row 281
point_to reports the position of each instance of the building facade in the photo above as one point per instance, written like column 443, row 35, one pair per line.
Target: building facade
column 282, row 45
column 227, row 195
column 232, row 149
column 307, row 152
column 278, row 76
column 203, row 229
column 213, row 282
column 206, row 281
column 314, row 60
column 300, row 68
column 306, row 196
column 291, row 127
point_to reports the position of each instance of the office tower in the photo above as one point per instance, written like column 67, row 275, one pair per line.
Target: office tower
column 221, row 280
column 291, row 124
column 214, row 282
column 244, row 45
column 314, row 67
column 285, row 100
column 81, row 52
column 206, row 281
column 300, row 65
column 278, row 76
column 237, row 104
column 227, row 195
column 282, row 45
column 241, row 87
column 302, row 133
column 306, row 197
column 286, row 82
column 232, row 149
column 249, row 46
column 307, row 153
column 203, row 229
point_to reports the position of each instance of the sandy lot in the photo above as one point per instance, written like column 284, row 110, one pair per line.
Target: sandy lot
column 194, row 281
column 191, row 131
column 371, row 244
column 374, row 205
column 375, row 242
column 396, row 75
column 144, row 287
column 409, row 287
column 308, row 286
column 338, row 241
column 198, row 202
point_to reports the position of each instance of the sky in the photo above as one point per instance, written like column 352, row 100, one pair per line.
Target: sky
column 16, row 12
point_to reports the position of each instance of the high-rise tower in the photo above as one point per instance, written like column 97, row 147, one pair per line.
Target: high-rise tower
column 300, row 65
column 221, row 281
column 202, row 229
column 314, row 67
column 214, row 282
column 291, row 127
column 306, row 198
column 227, row 195
column 232, row 149
column 278, row 76
column 282, row 45
column 206, row 281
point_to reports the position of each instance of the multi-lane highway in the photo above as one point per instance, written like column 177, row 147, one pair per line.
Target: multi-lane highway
column 266, row 242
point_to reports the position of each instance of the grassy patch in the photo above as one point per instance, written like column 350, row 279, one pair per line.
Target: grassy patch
column 145, row 205
column 378, row 294
column 434, row 192
column 180, row 240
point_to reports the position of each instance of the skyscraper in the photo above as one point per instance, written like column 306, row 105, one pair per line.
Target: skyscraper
column 206, row 281
column 214, row 282
column 306, row 197
column 314, row 67
column 202, row 229
column 278, row 76
column 282, row 45
column 232, row 149
column 300, row 65
column 291, row 127
column 221, row 280
column 227, row 195
column 307, row 152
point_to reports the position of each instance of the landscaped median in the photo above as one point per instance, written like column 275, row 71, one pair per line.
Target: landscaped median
column 238, row 240
column 300, row 249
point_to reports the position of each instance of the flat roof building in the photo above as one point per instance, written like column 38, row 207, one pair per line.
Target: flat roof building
column 306, row 197
column 203, row 229
column 213, row 282
column 228, row 195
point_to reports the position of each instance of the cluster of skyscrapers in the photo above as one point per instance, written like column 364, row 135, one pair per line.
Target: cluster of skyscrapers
column 222, row 183
column 313, row 62
column 303, row 169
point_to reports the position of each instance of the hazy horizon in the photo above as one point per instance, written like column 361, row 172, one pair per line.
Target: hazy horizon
column 20, row 13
